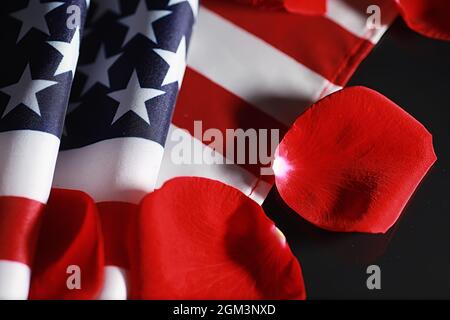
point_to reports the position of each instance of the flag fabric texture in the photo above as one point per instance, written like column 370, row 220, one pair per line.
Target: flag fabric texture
column 89, row 106
column 111, row 136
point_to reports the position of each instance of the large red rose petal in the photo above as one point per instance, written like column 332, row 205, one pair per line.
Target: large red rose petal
column 428, row 17
column 201, row 239
column 70, row 238
column 352, row 161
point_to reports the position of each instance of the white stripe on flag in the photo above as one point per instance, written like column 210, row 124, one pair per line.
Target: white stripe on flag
column 251, row 68
column 14, row 280
column 115, row 284
column 121, row 169
column 230, row 174
column 27, row 162
column 355, row 21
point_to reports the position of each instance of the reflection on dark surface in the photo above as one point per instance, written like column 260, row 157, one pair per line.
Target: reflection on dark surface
column 414, row 256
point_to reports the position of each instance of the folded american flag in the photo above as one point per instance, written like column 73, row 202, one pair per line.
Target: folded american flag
column 130, row 69
column 247, row 68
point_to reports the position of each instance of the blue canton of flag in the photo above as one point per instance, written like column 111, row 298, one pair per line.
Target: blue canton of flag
column 131, row 67
column 38, row 63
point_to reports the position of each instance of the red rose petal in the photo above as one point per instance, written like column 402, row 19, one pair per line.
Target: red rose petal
column 69, row 235
column 201, row 239
column 352, row 161
column 428, row 17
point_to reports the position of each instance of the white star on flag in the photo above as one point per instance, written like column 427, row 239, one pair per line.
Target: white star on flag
column 141, row 22
column 70, row 52
column 24, row 92
column 176, row 61
column 133, row 98
column 33, row 16
column 88, row 3
column 98, row 70
column 192, row 3
column 103, row 6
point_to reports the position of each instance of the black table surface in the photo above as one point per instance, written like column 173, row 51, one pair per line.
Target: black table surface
column 414, row 256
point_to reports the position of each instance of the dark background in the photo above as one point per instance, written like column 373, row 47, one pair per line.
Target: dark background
column 414, row 256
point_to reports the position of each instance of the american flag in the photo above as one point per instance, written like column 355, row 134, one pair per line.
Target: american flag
column 92, row 107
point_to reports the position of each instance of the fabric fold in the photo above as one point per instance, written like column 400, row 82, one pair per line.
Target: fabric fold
column 38, row 60
column 70, row 253
column 132, row 62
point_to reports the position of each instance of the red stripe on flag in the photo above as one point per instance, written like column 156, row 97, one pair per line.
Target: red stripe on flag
column 19, row 227
column 220, row 109
column 315, row 41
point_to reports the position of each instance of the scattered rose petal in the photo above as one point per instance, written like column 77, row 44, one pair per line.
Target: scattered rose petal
column 428, row 17
column 354, row 160
column 201, row 239
column 69, row 236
